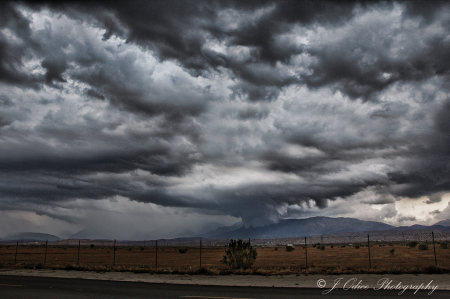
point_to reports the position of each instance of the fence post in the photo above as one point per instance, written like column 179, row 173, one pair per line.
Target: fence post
column 15, row 256
column 368, row 245
column 434, row 247
column 79, row 245
column 156, row 251
column 45, row 254
column 114, row 249
column 306, row 254
column 200, row 253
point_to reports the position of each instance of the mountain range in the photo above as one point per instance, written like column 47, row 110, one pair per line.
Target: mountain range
column 31, row 237
column 286, row 228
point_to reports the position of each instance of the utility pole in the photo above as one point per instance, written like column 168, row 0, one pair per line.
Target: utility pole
column 368, row 245
column 45, row 255
column 306, row 253
column 200, row 253
column 114, row 249
column 17, row 247
column 434, row 247
column 79, row 245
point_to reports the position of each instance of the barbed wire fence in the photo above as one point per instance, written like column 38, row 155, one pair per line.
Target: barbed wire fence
column 350, row 251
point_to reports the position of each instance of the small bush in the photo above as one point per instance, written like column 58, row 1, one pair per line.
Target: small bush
column 39, row 266
column 92, row 245
column 444, row 245
column 392, row 251
column 276, row 248
column 182, row 250
column 290, row 248
column 412, row 244
column 28, row 266
column 422, row 246
column 331, row 246
column 69, row 267
column 321, row 247
column 357, row 246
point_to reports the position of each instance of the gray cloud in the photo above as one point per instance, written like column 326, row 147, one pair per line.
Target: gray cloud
column 253, row 110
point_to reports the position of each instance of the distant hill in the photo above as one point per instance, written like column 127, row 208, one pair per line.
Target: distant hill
column 30, row 237
column 223, row 230
column 288, row 228
column 443, row 223
column 89, row 234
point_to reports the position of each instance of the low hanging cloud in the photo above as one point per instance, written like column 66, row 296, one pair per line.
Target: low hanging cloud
column 254, row 110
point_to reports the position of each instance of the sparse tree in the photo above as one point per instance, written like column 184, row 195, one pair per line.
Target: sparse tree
column 239, row 255
column 422, row 246
column 412, row 244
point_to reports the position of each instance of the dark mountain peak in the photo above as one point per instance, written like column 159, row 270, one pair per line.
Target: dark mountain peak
column 443, row 223
column 319, row 225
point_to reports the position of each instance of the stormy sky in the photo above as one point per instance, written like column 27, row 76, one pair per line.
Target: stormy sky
column 149, row 119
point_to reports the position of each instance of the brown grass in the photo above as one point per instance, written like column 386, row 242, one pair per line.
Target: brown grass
column 337, row 260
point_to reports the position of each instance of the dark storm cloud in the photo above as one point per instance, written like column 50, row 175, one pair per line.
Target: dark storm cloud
column 55, row 66
column 429, row 171
column 11, row 54
column 285, row 13
column 175, row 30
column 250, row 113
column 313, row 92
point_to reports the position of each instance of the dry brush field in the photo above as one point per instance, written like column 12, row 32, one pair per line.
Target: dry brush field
column 335, row 259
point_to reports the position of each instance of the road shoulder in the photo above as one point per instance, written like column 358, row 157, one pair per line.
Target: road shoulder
column 442, row 281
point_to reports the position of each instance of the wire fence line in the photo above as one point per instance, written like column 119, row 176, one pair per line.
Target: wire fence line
column 352, row 251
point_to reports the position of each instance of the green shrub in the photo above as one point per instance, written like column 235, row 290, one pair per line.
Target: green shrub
column 412, row 244
column 357, row 246
column 290, row 248
column 392, row 251
column 239, row 255
column 276, row 248
column 321, row 247
column 422, row 246
column 182, row 250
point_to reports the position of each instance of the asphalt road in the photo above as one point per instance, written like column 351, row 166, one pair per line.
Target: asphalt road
column 12, row 287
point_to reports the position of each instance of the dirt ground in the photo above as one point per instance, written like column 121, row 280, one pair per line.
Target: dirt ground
column 342, row 259
column 438, row 281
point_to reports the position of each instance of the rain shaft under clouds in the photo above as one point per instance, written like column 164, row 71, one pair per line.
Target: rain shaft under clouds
column 222, row 110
